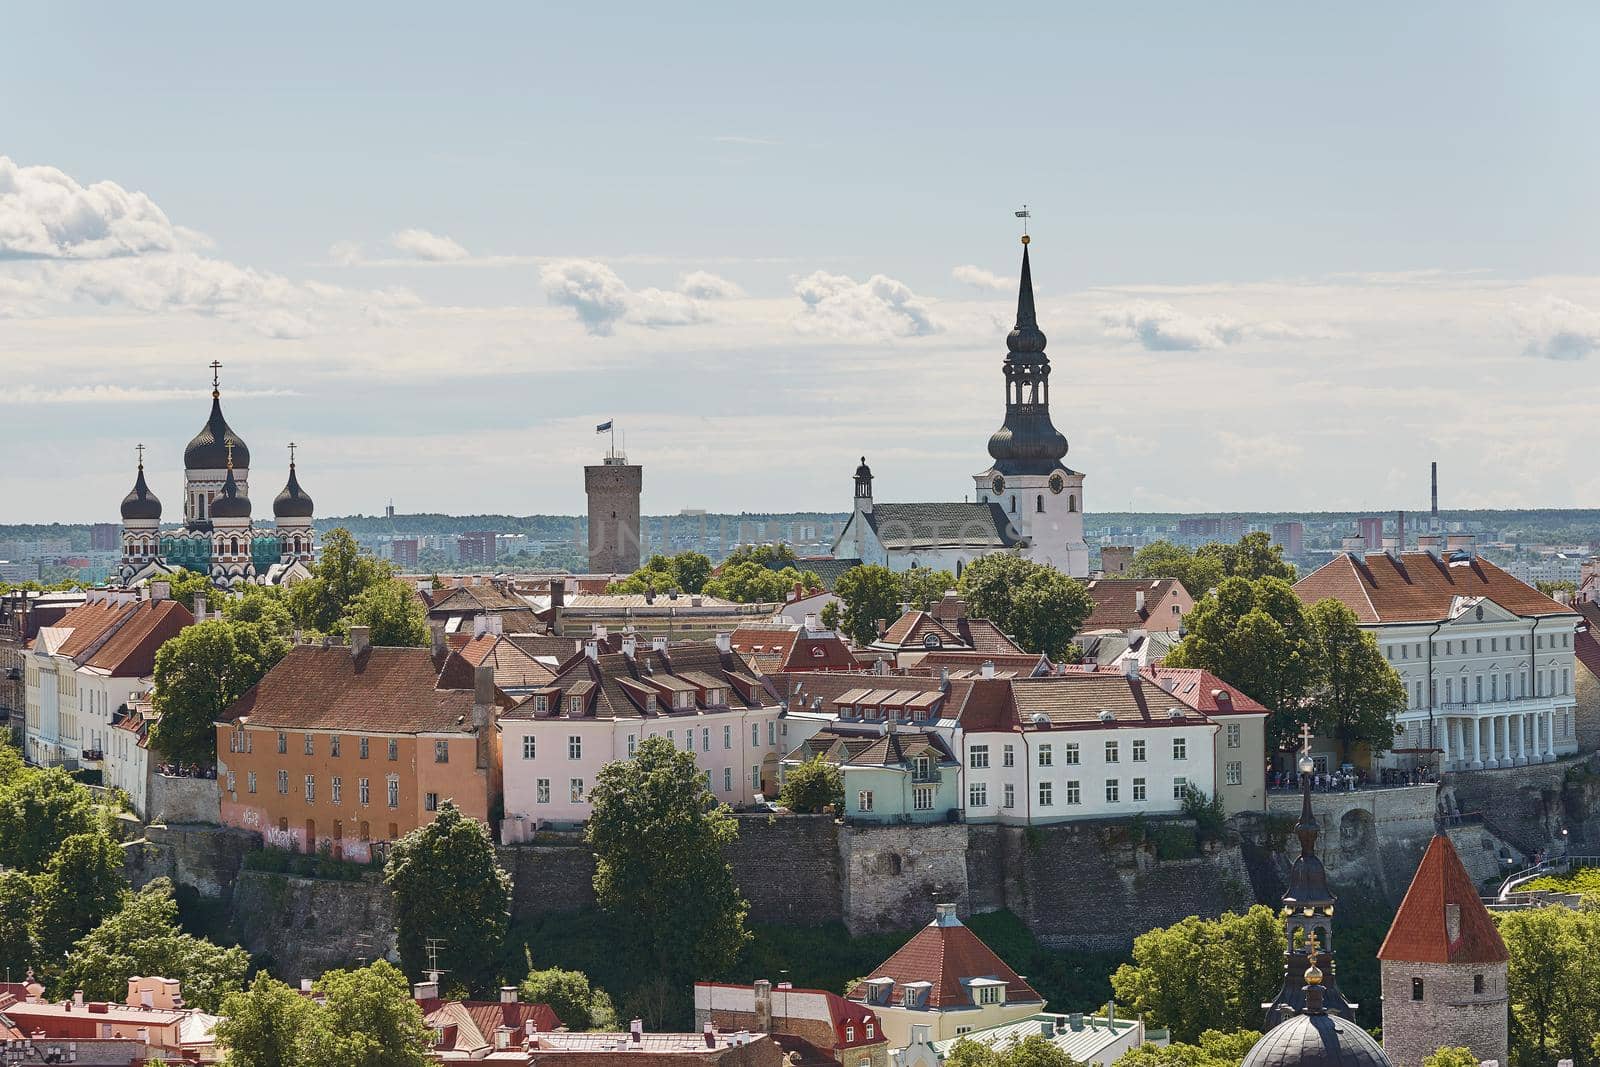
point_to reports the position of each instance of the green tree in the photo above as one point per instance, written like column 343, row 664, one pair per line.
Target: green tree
column 870, row 595
column 39, row 809
column 82, row 885
column 144, row 938
column 1202, row 974
column 187, row 584
column 812, row 786
column 774, row 556
column 923, row 588
column 1216, row 1048
column 658, row 836
column 1038, row 605
column 17, row 949
column 1549, row 980
column 691, row 570
column 1036, row 1050
column 1355, row 694
column 260, row 604
column 1163, row 559
column 368, row 1020
column 340, row 575
column 12, row 766
column 749, row 582
column 1254, row 635
column 392, row 612
column 1253, row 556
column 198, row 676
column 656, row 576
column 969, row 1053
column 576, row 1003
column 448, row 886
column 1451, row 1056
column 266, row 1025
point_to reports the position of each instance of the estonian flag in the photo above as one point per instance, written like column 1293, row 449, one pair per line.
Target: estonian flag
column 603, row 427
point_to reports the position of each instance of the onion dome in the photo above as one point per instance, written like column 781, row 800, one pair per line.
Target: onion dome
column 209, row 448
column 231, row 503
column 1315, row 1038
column 141, row 503
column 292, row 502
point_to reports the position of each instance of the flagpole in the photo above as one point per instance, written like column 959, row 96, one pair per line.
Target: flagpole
column 612, row 430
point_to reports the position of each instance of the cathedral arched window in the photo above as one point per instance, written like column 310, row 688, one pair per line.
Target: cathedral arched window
column 233, row 546
column 1072, row 501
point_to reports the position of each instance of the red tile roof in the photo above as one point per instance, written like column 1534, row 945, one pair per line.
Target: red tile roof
column 384, row 690
column 1204, row 691
column 910, row 633
column 130, row 652
column 944, row 953
column 791, row 648
column 1116, row 604
column 469, row 1025
column 1419, row 933
column 88, row 623
column 1417, row 587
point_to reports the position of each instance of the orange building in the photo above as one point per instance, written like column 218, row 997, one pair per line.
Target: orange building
column 341, row 746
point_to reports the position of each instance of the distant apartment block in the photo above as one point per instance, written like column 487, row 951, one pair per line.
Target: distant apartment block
column 1370, row 531
column 1290, row 536
column 476, row 547
column 403, row 551
column 105, row 537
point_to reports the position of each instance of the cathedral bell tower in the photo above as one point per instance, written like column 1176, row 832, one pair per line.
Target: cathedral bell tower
column 1040, row 494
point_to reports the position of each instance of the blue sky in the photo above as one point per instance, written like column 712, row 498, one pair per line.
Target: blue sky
column 1285, row 256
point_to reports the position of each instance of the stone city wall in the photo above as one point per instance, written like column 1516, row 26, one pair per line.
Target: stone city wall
column 309, row 925
column 789, row 868
column 173, row 801
column 209, row 858
column 894, row 875
column 1523, row 805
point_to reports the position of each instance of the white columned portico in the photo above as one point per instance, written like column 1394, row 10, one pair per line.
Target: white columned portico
column 1496, row 743
column 1549, row 717
column 1475, row 724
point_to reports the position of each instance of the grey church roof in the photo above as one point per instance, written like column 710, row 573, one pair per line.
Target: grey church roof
column 914, row 526
column 1316, row 1041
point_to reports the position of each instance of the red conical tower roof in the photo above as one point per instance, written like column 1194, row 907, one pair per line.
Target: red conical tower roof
column 1421, row 932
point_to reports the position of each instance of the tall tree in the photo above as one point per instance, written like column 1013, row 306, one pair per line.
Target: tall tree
column 368, row 1020
column 990, row 584
column 1038, row 605
column 144, row 938
column 1253, row 556
column 870, row 595
column 198, row 676
column 39, row 809
column 1549, row 982
column 396, row 618
column 1164, row 559
column 186, row 584
column 447, row 885
column 658, row 836
column 1355, row 694
column 1202, row 974
column 265, row 1025
column 749, row 582
column 260, row 604
column 923, row 588
column 1254, row 635
column 579, row 1005
column 18, row 951
column 82, row 885
column 340, row 575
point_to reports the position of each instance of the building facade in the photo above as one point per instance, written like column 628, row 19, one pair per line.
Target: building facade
column 1025, row 500
column 841, row 1030
column 1487, row 662
column 613, row 488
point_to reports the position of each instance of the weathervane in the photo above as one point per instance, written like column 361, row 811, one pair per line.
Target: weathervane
column 1024, row 215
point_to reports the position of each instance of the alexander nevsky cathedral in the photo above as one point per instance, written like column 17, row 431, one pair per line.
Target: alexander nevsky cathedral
column 217, row 537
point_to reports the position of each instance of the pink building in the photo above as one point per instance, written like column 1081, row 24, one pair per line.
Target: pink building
column 702, row 696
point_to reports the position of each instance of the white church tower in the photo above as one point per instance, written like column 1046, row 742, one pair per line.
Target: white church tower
column 1040, row 494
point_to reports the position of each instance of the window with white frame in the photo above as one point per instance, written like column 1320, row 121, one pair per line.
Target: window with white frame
column 1111, row 751
column 529, row 746
column 1233, row 735
column 1113, row 790
column 978, row 757
column 727, row 779
column 283, row 782
column 311, row 788
column 1234, row 772
column 541, row 791
column 755, row 735
column 978, row 795
column 364, row 790
column 1074, row 792
column 727, row 736
column 1069, row 753
column 335, row 789
column 1138, row 791
column 922, row 798
column 430, row 801
column 864, row 800
column 1009, row 795
column 1180, row 788
column 1138, row 750
column 633, row 744
column 755, row 777
column 575, row 790
column 1046, row 794
column 1008, row 756
column 394, row 791
column 1046, row 757
column 575, row 746
column 1180, row 748
column 250, row 781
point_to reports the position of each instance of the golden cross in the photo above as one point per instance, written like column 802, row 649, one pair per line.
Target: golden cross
column 230, row 455
column 140, row 449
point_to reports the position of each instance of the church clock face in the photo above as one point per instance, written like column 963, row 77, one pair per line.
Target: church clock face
column 998, row 484
column 1057, row 483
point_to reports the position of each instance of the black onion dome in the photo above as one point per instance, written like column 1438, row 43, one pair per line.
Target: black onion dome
column 230, row 503
column 209, row 448
column 292, row 502
column 1316, row 1040
column 141, row 503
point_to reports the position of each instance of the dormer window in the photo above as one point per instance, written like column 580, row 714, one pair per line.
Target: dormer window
column 930, row 640
column 575, row 705
column 850, row 1035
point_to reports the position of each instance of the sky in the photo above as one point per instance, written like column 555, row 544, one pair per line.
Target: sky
column 1285, row 255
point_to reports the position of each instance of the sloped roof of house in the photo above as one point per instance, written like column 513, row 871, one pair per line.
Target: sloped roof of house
column 116, row 639
column 1420, row 931
column 912, row 631
column 615, row 685
column 1418, row 587
column 775, row 649
column 1116, row 604
column 468, row 1026
column 947, row 955
column 1586, row 644
column 886, row 750
column 514, row 667
column 383, row 690
column 921, row 526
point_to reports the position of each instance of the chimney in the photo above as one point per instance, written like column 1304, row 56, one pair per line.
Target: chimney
column 200, row 605
column 658, row 643
column 305, row 985
column 482, row 689
column 428, row 990
column 630, row 644
column 508, row 994
column 813, row 622
column 591, row 648
column 502, row 1038
column 558, row 592
column 1354, row 544
column 636, row 1031
column 1391, row 546
column 77, row 998
column 1130, row 665
column 987, row 669
column 945, row 915
column 882, row 627
column 1461, row 542
column 1430, row 543
column 1434, row 477
column 763, row 994
column 480, row 625
column 360, row 640
column 436, row 632
column 724, row 642
column 1138, row 601
column 1452, row 922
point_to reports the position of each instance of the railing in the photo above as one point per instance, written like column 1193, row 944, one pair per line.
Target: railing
column 927, row 777
column 1486, row 708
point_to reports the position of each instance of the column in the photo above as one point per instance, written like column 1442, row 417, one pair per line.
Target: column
column 1475, row 724
column 1494, row 742
column 1443, row 728
column 1549, row 717
column 1519, row 724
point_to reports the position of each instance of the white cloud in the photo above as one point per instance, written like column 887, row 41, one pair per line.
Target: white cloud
column 602, row 299
column 345, row 253
column 46, row 214
column 1163, row 328
column 1557, row 328
column 703, row 285
column 840, row 306
column 979, row 278
column 433, row 247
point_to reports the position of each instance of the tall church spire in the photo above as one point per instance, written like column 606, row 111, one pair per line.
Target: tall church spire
column 1026, row 337
column 1028, row 442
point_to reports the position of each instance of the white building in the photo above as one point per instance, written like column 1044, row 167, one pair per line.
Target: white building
column 1025, row 500
column 81, row 671
column 1487, row 661
column 701, row 696
column 1098, row 1040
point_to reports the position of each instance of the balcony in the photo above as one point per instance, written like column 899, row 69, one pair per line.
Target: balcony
column 1482, row 708
column 930, row 776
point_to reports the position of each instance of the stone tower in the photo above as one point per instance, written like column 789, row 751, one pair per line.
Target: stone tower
column 1443, row 967
column 613, row 487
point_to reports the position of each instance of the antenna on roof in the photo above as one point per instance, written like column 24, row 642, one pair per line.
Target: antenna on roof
column 432, row 946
